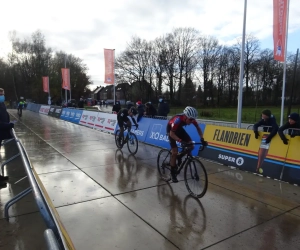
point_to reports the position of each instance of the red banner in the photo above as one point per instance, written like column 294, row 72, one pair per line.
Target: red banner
column 109, row 66
column 46, row 84
column 65, row 78
column 279, row 28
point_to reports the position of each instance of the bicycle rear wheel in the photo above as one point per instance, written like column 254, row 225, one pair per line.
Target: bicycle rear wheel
column 195, row 178
column 163, row 164
column 132, row 143
column 117, row 134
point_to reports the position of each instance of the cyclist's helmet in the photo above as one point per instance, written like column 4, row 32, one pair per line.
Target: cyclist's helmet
column 133, row 111
column 190, row 112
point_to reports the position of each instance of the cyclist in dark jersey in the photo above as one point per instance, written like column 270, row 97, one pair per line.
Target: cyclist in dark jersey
column 122, row 118
column 177, row 133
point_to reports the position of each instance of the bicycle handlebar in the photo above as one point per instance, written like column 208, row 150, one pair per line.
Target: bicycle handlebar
column 194, row 143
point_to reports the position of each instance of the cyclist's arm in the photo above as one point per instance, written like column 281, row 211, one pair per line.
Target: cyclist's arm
column 134, row 121
column 199, row 130
column 174, row 136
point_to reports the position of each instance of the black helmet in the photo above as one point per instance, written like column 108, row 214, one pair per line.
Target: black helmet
column 133, row 111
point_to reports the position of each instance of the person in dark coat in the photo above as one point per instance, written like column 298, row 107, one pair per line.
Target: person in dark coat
column 150, row 110
column 163, row 107
column 5, row 127
column 293, row 126
column 116, row 108
column 140, row 109
column 81, row 103
column 269, row 124
column 129, row 104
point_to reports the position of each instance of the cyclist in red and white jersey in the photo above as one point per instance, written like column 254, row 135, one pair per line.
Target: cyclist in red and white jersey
column 177, row 133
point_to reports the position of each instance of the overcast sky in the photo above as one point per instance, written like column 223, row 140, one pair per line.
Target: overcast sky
column 85, row 28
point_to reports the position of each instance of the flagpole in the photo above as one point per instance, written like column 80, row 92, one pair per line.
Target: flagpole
column 49, row 97
column 66, row 97
column 240, row 96
column 284, row 64
column 114, row 81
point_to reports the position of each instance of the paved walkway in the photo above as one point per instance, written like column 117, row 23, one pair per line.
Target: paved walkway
column 108, row 199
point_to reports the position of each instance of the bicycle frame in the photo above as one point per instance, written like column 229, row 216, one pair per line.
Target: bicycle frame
column 187, row 156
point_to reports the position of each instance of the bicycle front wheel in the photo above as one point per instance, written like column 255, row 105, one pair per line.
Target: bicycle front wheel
column 132, row 143
column 117, row 134
column 163, row 164
column 195, row 178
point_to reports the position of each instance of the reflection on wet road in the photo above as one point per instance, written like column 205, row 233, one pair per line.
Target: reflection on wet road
column 109, row 199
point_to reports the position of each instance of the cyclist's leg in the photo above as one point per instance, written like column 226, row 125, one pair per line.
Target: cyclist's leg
column 121, row 125
column 174, row 150
column 186, row 138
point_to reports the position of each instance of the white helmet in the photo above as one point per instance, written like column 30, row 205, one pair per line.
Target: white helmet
column 190, row 112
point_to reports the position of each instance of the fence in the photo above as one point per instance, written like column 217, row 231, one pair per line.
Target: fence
column 54, row 236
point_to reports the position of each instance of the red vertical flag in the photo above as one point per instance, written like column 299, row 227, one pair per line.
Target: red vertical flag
column 65, row 78
column 109, row 66
column 46, row 83
column 279, row 28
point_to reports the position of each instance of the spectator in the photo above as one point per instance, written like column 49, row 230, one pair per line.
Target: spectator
column 141, row 110
column 81, row 103
column 5, row 126
column 163, row 107
column 116, row 108
column 269, row 122
column 129, row 104
column 150, row 110
column 293, row 127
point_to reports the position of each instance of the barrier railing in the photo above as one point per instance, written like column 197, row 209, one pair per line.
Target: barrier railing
column 54, row 236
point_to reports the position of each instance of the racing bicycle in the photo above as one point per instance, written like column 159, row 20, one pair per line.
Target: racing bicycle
column 195, row 176
column 129, row 138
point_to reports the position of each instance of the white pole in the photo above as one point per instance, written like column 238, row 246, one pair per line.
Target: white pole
column 284, row 64
column 240, row 96
column 114, row 81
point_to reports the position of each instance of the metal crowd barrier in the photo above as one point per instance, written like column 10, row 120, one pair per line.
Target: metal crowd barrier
column 53, row 235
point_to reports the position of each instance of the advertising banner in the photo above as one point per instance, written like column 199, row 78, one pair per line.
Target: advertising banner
column 37, row 108
column 291, row 167
column 30, row 106
column 51, row 111
column 88, row 118
column 57, row 112
column 45, row 83
column 77, row 117
column 141, row 132
column 65, row 114
column 106, row 122
column 109, row 66
column 44, row 109
column 239, row 148
column 65, row 78
column 157, row 134
column 279, row 28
